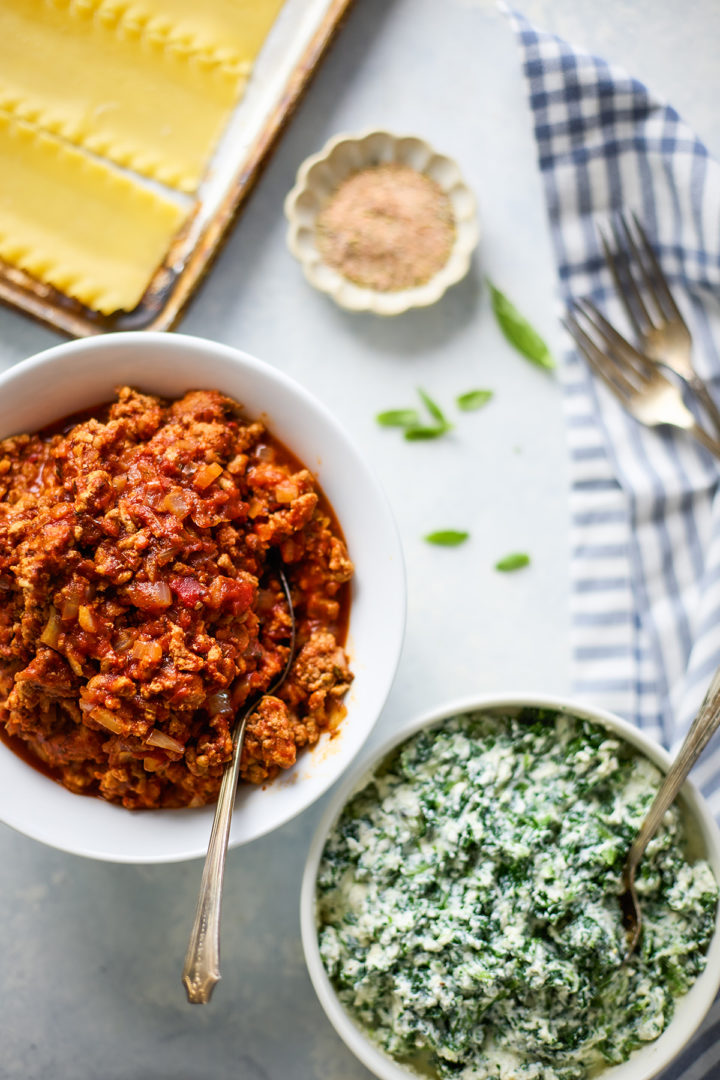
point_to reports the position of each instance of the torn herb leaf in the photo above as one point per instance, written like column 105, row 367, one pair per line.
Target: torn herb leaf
column 473, row 399
column 403, row 418
column 513, row 562
column 518, row 330
column 420, row 432
column 434, row 409
column 447, row 537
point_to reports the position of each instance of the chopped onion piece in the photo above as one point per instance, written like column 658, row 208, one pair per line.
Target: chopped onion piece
column 74, row 662
column 204, row 477
column 108, row 719
column 164, row 742
column 176, row 503
column 87, row 619
column 286, row 491
column 150, row 595
column 147, row 650
column 51, row 634
column 124, row 640
column 337, row 715
column 70, row 608
column 162, row 593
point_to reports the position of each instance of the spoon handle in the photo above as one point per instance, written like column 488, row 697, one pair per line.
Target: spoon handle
column 703, row 728
column 202, row 961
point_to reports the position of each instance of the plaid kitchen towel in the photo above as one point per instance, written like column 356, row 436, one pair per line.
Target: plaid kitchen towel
column 644, row 504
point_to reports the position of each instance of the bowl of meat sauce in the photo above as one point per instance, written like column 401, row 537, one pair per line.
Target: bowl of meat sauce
column 148, row 496
column 460, row 912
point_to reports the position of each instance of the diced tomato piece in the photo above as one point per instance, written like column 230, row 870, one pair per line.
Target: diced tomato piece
column 232, row 594
column 188, row 590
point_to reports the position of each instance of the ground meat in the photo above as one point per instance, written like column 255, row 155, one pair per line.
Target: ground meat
column 140, row 609
column 269, row 740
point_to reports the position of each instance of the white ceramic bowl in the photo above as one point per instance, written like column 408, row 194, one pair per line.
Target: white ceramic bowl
column 79, row 374
column 691, row 1009
column 321, row 174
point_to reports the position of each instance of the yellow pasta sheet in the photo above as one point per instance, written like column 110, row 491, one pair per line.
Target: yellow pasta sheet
column 77, row 223
column 231, row 32
column 103, row 77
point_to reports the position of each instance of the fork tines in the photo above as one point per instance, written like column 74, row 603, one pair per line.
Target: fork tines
column 632, row 247
column 625, row 370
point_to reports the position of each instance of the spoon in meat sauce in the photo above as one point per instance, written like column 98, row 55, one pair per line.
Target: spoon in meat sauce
column 703, row 728
column 202, row 960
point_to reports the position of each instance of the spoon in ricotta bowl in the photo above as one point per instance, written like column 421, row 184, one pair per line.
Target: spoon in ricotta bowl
column 703, row 728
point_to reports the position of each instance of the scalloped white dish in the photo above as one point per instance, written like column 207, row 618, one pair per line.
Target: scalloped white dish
column 318, row 178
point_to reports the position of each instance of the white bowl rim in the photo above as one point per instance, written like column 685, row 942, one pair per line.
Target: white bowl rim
column 174, row 343
column 646, row 1062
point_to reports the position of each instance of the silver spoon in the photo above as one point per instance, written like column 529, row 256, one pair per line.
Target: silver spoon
column 202, row 960
column 703, row 728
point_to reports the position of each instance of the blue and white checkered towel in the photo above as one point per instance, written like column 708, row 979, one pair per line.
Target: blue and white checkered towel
column 645, row 507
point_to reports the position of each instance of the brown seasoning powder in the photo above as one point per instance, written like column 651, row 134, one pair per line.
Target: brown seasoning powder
column 388, row 227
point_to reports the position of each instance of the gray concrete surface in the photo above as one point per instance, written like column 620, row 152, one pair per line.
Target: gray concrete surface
column 91, row 953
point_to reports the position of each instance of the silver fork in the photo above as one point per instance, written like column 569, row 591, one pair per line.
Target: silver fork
column 660, row 330
column 637, row 382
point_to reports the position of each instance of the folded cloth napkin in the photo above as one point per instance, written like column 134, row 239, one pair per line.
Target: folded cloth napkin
column 644, row 504
column 645, row 516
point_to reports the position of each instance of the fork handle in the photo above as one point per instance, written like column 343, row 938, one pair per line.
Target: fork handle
column 702, row 729
column 707, row 440
column 705, row 398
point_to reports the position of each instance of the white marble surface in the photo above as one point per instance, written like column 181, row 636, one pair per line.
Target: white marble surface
column 90, row 979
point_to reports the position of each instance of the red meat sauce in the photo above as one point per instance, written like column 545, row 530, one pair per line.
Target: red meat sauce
column 138, row 605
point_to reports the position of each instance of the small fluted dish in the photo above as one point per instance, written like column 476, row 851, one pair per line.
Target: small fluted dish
column 319, row 177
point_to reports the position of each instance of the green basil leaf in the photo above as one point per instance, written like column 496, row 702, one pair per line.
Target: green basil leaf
column 447, row 537
column 513, row 562
column 473, row 399
column 413, row 433
column 434, row 409
column 399, row 418
column 518, row 330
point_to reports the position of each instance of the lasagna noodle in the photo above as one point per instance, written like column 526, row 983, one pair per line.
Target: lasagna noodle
column 76, row 223
column 120, row 86
column 230, row 32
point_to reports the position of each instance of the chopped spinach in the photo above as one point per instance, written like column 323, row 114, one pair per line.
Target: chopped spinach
column 467, row 901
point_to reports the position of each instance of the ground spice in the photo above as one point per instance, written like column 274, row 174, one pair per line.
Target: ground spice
column 388, row 227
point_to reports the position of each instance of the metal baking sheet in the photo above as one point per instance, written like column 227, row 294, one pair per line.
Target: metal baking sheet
column 287, row 61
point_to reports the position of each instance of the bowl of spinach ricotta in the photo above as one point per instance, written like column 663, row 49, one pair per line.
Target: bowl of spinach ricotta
column 460, row 912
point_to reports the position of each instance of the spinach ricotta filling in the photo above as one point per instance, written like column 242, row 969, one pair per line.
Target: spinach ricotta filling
column 467, row 901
